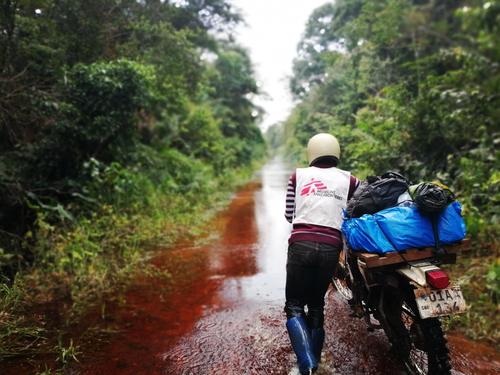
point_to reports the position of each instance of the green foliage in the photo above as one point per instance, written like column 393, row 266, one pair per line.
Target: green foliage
column 199, row 135
column 102, row 88
column 98, row 120
column 66, row 354
column 233, row 84
column 100, row 96
column 274, row 137
column 493, row 280
column 115, row 134
column 17, row 334
column 479, row 279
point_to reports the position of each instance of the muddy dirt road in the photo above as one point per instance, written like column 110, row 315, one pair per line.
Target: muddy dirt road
column 226, row 316
column 224, row 313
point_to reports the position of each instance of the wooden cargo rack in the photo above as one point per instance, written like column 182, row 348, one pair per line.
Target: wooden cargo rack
column 371, row 260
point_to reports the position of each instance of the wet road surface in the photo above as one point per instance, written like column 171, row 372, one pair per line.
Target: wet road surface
column 223, row 314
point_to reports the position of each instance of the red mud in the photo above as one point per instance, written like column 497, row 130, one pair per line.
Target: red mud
column 224, row 313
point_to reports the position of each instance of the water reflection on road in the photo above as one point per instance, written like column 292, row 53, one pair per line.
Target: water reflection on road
column 224, row 314
column 244, row 335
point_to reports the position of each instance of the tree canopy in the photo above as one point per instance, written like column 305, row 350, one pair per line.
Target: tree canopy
column 147, row 86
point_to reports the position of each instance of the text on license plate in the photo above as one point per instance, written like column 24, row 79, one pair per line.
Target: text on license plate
column 433, row 302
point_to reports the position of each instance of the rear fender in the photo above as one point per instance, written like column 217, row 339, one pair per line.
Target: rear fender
column 415, row 273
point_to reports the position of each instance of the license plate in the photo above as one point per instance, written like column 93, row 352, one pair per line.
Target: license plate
column 433, row 302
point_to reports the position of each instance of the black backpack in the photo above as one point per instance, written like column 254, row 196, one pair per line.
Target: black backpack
column 377, row 193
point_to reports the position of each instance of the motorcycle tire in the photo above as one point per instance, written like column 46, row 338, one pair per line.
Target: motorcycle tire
column 427, row 352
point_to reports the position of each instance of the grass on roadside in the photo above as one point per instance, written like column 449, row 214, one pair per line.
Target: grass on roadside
column 478, row 274
column 80, row 265
column 18, row 335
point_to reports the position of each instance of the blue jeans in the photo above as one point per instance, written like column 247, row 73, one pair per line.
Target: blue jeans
column 309, row 271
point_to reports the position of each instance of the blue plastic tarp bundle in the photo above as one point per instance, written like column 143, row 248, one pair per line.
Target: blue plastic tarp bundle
column 401, row 228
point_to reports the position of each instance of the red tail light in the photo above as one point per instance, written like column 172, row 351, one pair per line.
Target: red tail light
column 437, row 279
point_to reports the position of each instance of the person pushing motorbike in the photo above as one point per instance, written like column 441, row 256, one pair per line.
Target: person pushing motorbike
column 316, row 197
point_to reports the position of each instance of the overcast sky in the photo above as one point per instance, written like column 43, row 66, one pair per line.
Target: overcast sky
column 274, row 28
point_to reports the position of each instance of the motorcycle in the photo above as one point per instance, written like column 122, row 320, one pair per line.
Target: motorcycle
column 405, row 294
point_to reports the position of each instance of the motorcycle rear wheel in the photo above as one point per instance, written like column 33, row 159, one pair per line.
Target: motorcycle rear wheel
column 427, row 353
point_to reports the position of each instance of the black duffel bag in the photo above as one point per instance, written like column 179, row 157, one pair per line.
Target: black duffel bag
column 377, row 193
column 432, row 198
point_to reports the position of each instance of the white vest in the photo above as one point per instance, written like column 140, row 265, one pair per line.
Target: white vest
column 321, row 195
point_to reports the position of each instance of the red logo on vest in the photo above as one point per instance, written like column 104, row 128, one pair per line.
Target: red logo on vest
column 312, row 187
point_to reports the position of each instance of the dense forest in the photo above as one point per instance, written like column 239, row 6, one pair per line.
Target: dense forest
column 413, row 86
column 120, row 122
column 124, row 124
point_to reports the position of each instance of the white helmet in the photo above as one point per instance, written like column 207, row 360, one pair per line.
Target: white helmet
column 322, row 144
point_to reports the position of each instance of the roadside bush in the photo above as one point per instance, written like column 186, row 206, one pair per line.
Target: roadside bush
column 98, row 119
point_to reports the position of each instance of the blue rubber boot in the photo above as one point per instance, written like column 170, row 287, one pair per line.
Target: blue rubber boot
column 317, row 340
column 301, row 344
